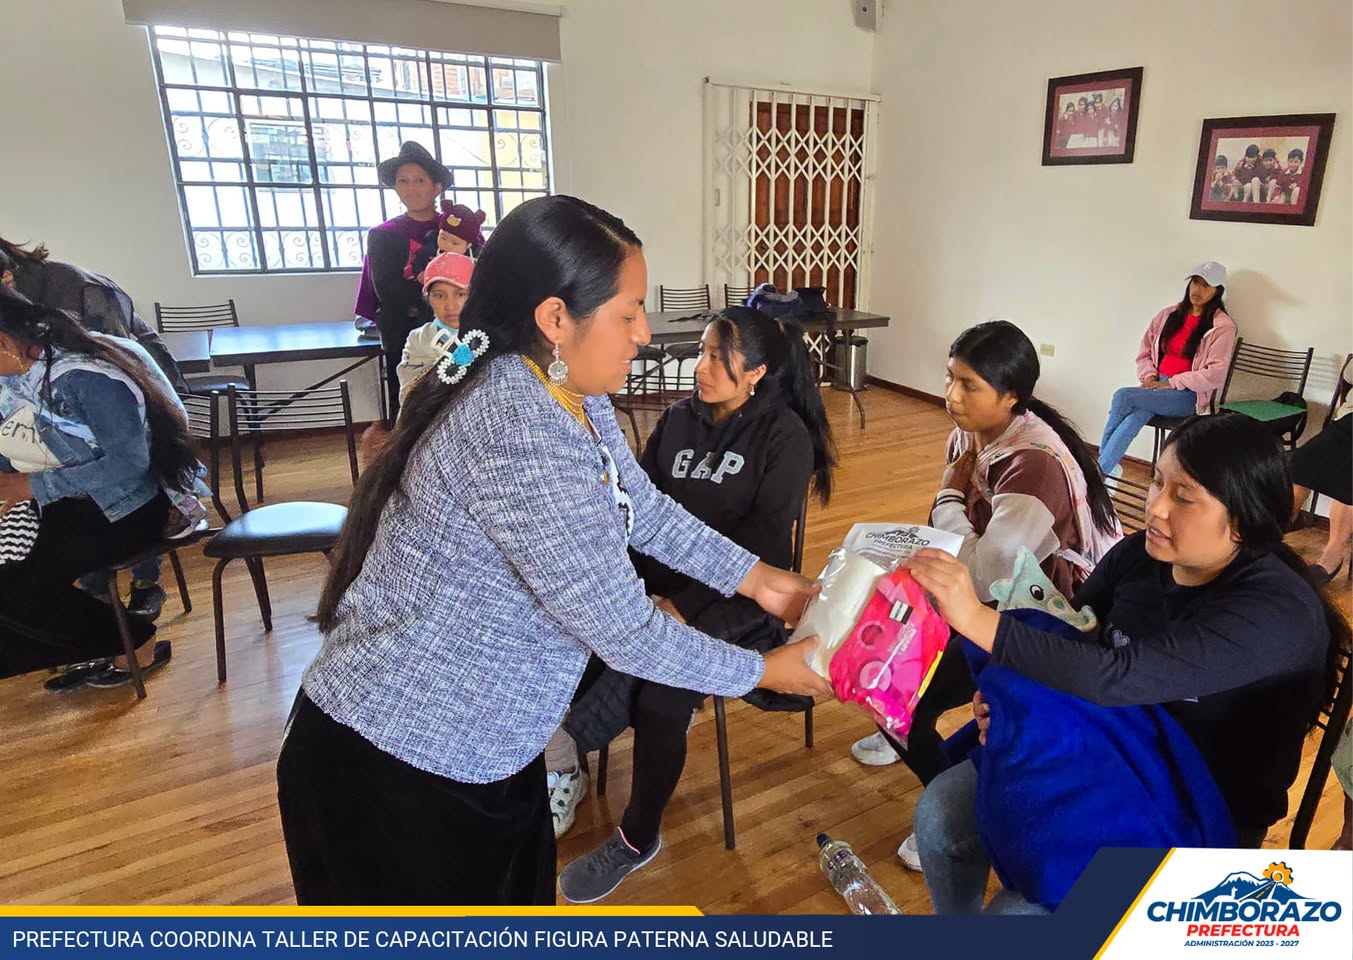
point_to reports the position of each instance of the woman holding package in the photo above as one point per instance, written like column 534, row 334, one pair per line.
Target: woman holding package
column 1206, row 613
column 1181, row 364
column 1019, row 476
column 485, row 557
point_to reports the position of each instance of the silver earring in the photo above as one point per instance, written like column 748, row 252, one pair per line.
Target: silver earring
column 752, row 392
column 558, row 370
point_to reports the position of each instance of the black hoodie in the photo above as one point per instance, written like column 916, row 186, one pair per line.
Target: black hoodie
column 746, row 477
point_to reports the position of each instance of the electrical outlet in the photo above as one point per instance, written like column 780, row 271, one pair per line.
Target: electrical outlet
column 1047, row 349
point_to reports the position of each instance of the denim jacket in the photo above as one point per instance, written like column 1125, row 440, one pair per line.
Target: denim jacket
column 89, row 438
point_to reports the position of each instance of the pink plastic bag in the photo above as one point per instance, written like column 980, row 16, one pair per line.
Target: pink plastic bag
column 886, row 662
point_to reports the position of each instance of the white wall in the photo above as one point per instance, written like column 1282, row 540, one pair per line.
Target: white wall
column 970, row 225
column 85, row 167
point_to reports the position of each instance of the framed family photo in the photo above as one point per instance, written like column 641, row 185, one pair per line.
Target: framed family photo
column 1262, row 169
column 1092, row 117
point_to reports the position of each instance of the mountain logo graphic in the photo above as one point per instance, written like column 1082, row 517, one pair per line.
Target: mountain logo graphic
column 1274, row 884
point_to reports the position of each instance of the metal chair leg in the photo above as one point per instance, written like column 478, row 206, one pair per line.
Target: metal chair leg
column 182, row 581
column 725, row 777
column 218, row 609
column 808, row 727
column 255, row 565
column 120, row 616
column 603, row 759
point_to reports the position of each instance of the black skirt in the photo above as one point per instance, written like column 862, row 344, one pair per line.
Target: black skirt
column 1325, row 463
column 364, row 827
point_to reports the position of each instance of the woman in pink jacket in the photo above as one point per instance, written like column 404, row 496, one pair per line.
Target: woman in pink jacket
column 1181, row 364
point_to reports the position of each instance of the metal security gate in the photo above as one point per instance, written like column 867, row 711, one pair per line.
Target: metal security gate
column 789, row 178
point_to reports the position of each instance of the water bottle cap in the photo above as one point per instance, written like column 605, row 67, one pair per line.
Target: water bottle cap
column 823, row 840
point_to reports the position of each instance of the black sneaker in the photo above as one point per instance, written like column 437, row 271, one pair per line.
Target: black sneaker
column 77, row 674
column 146, row 601
column 592, row 877
column 117, row 677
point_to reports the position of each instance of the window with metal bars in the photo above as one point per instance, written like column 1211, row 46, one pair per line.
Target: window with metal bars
column 274, row 141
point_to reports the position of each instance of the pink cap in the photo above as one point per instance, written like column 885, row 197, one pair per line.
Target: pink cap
column 451, row 267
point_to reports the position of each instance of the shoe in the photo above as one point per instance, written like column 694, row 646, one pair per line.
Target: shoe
column 909, row 855
column 566, row 789
column 592, row 877
column 146, row 601
column 874, row 751
column 76, row 674
column 1322, row 577
column 117, row 677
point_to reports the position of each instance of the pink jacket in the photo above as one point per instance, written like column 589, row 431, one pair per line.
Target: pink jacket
column 1210, row 363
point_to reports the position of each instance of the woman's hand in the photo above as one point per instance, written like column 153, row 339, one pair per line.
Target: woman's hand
column 665, row 605
column 958, row 475
column 14, row 490
column 981, row 711
column 1156, row 384
column 779, row 592
column 787, row 670
column 947, row 581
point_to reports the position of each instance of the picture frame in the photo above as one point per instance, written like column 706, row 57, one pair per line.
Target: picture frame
column 1285, row 153
column 1092, row 117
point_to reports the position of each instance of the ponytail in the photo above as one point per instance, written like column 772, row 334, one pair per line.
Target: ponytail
column 798, row 381
column 1101, row 505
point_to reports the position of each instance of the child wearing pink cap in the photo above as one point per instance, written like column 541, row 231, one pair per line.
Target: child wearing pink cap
column 446, row 284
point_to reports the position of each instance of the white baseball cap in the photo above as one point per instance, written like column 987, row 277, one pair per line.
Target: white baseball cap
column 1211, row 271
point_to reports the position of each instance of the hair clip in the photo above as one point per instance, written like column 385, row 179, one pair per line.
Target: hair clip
column 463, row 351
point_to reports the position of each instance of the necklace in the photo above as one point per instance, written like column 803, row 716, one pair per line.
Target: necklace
column 568, row 399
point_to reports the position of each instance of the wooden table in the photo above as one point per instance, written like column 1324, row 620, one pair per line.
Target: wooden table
column 685, row 326
column 282, row 343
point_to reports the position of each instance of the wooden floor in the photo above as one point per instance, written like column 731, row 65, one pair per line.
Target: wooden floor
column 172, row 800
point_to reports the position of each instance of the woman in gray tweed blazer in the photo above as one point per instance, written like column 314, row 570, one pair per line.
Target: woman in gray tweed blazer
column 484, row 559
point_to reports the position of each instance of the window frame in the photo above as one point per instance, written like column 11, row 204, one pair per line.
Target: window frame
column 428, row 101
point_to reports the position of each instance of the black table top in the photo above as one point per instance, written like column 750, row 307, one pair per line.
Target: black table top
column 192, row 351
column 674, row 326
column 289, row 342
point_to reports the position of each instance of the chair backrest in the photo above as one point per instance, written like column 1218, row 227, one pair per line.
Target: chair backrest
column 1129, row 502
column 1273, row 363
column 189, row 319
column 255, row 412
column 1341, row 389
column 683, row 298
column 799, row 524
column 735, row 296
column 1332, row 719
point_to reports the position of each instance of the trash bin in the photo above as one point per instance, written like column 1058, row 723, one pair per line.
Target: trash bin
column 849, row 357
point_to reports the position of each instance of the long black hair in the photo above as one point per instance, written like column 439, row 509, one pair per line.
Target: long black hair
column 1176, row 320
column 555, row 246
column 1004, row 357
column 1239, row 461
column 33, row 325
column 780, row 345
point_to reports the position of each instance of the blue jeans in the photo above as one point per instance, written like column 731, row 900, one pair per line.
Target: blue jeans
column 1132, row 409
column 147, row 571
column 953, row 859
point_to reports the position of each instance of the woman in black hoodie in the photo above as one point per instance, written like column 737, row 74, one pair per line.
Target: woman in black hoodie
column 739, row 455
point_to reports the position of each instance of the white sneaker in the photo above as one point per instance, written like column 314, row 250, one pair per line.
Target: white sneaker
column 909, row 855
column 566, row 789
column 874, row 751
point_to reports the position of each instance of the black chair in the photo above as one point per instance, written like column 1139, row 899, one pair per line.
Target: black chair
column 196, row 319
column 644, row 390
column 277, row 529
column 721, row 719
column 1129, row 502
column 734, row 296
column 201, row 411
column 1341, row 389
column 1332, row 720
column 1291, row 367
column 695, row 299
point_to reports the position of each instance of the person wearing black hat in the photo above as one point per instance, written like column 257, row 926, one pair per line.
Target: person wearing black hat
column 395, row 302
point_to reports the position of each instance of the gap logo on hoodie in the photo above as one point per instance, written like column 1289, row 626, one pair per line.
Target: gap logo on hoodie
column 731, row 463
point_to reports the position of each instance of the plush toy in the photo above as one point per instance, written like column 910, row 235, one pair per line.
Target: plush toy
column 1030, row 589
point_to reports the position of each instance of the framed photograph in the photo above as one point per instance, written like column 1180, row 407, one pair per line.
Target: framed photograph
column 1262, row 169
column 1092, row 117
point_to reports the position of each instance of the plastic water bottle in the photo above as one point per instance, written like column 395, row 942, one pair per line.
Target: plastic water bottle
column 850, row 878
